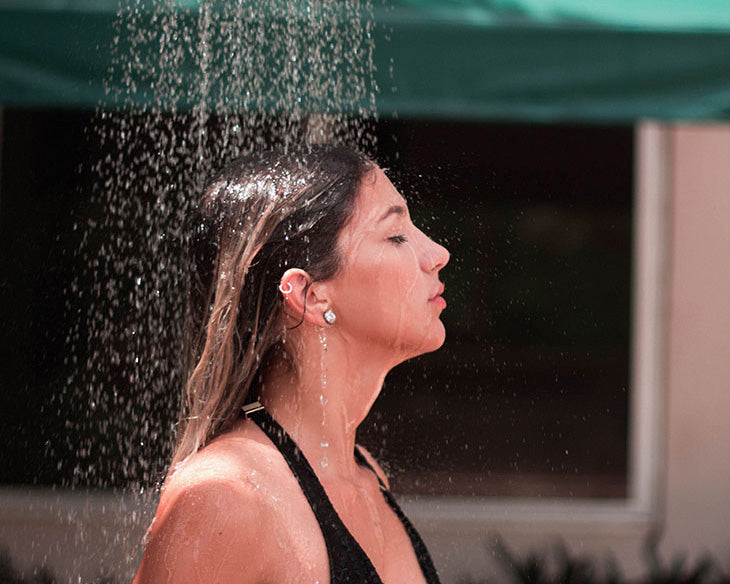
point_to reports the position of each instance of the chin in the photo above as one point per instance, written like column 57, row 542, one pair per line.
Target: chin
column 438, row 342
column 430, row 343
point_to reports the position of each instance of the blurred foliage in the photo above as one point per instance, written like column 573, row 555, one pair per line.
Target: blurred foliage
column 680, row 569
column 9, row 574
column 560, row 566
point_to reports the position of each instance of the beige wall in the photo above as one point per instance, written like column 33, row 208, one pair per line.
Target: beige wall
column 697, row 480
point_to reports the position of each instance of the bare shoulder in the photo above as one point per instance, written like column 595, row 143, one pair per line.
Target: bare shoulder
column 376, row 466
column 215, row 519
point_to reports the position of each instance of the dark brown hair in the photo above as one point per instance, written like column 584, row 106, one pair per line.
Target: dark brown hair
column 261, row 215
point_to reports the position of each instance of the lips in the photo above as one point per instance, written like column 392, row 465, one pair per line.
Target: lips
column 437, row 299
column 438, row 292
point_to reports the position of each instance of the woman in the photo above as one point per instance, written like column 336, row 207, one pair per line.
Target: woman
column 309, row 282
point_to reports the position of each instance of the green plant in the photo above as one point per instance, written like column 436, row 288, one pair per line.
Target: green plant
column 9, row 575
column 678, row 570
column 535, row 568
column 559, row 566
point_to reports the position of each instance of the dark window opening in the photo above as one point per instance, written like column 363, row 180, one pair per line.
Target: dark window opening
column 529, row 395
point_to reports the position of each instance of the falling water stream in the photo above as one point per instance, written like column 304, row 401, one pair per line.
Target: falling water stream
column 537, row 362
column 194, row 84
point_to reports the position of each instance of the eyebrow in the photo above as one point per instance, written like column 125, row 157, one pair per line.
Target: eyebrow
column 394, row 210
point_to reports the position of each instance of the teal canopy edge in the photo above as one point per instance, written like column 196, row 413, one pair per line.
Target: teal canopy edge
column 427, row 66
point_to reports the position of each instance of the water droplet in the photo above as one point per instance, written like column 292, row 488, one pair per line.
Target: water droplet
column 152, row 160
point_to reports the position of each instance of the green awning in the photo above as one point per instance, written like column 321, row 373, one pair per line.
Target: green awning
column 604, row 60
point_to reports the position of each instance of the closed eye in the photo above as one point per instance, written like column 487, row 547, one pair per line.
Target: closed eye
column 398, row 239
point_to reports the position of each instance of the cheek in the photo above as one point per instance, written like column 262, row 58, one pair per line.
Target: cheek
column 380, row 286
column 393, row 280
column 402, row 312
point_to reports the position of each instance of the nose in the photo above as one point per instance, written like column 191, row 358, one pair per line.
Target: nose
column 435, row 256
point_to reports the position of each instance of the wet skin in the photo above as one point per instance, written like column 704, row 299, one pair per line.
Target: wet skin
column 387, row 293
column 233, row 512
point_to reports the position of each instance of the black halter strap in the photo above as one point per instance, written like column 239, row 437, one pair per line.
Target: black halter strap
column 348, row 561
column 349, row 564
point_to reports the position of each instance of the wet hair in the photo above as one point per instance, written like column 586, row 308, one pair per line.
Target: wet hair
column 261, row 215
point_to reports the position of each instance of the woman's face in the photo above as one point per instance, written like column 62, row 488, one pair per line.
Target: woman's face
column 387, row 293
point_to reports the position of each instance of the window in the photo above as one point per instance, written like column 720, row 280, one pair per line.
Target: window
column 546, row 387
column 530, row 395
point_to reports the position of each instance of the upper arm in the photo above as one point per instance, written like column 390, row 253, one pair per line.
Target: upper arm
column 374, row 464
column 205, row 533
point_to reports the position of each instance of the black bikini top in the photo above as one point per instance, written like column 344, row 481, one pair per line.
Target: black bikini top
column 349, row 564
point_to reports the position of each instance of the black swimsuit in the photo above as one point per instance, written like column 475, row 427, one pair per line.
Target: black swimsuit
column 348, row 562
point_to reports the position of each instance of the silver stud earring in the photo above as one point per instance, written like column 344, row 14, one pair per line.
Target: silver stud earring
column 329, row 316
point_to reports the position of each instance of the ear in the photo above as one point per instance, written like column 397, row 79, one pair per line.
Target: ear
column 303, row 298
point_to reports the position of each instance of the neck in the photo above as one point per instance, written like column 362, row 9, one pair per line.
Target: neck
column 322, row 404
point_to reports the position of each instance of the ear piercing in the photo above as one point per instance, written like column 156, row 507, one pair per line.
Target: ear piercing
column 286, row 290
column 329, row 316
